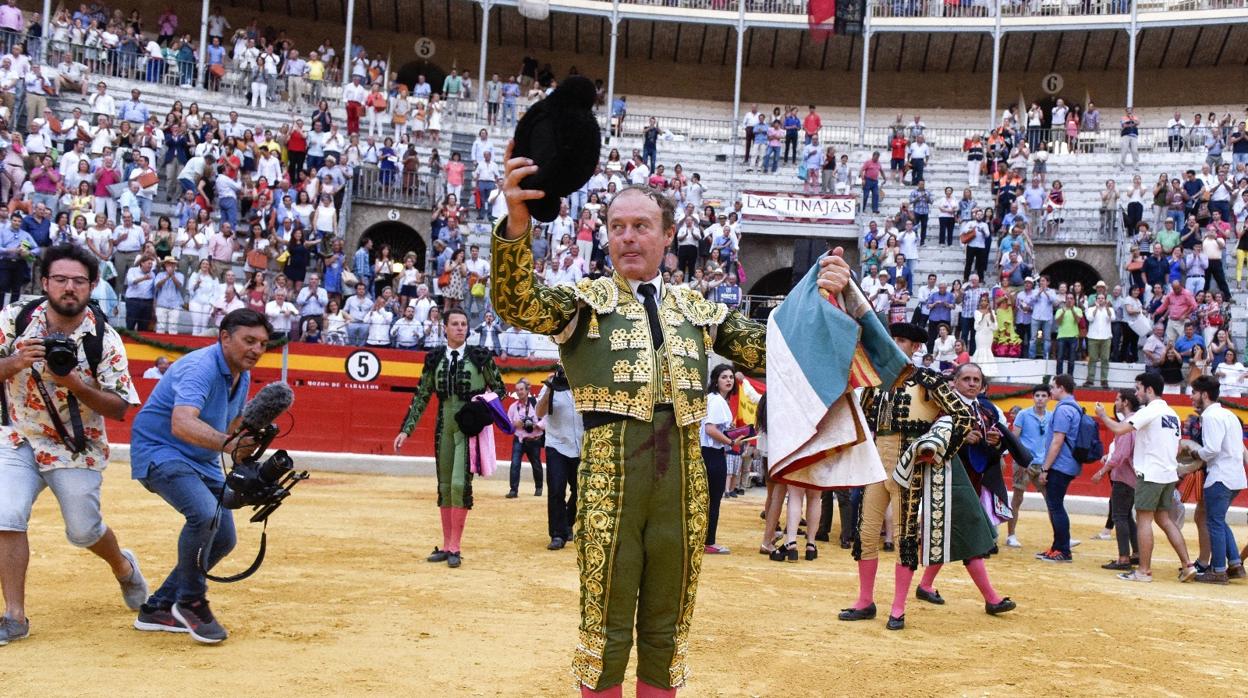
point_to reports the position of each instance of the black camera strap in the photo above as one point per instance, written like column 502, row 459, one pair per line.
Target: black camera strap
column 78, row 442
column 201, row 557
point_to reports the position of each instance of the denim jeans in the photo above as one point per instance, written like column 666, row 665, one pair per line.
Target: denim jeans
column 716, row 480
column 1040, row 350
column 1222, row 547
column 871, row 187
column 195, row 498
column 1055, row 499
column 771, row 158
column 650, row 156
column 484, row 188
column 532, row 449
column 1066, row 352
column 1121, row 500
column 560, row 493
column 229, row 210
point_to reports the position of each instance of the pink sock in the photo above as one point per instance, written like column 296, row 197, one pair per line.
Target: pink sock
column 903, row 576
column 929, row 577
column 446, row 526
column 645, row 690
column 458, row 516
column 979, row 573
column 615, row 691
column 866, row 582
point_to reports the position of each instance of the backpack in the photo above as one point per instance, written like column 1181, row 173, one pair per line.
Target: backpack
column 92, row 344
column 1087, row 446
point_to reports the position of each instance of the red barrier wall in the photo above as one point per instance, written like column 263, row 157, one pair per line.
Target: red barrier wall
column 332, row 413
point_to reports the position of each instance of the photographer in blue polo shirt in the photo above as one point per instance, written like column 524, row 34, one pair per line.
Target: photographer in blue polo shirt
column 175, row 449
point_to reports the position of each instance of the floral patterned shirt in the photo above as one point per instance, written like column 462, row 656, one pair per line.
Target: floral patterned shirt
column 29, row 421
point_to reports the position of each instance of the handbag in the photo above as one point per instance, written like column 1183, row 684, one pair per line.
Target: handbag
column 257, row 259
column 148, row 179
column 966, row 237
column 444, row 279
column 478, row 290
column 801, row 171
column 349, row 279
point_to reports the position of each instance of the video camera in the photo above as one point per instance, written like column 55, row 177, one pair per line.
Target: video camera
column 252, row 482
column 261, row 484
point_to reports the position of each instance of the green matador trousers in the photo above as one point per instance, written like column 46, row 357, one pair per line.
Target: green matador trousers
column 641, row 527
column 454, row 478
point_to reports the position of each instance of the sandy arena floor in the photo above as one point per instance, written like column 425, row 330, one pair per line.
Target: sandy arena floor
column 345, row 605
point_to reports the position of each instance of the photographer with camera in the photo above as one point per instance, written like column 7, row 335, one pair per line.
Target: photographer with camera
column 59, row 351
column 564, row 432
column 176, row 444
column 528, row 438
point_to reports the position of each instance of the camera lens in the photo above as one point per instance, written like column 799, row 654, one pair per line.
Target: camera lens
column 61, row 354
column 275, row 467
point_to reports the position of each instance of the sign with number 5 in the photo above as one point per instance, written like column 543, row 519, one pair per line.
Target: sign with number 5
column 363, row 366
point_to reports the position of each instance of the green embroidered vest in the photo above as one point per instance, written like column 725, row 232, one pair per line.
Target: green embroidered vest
column 610, row 361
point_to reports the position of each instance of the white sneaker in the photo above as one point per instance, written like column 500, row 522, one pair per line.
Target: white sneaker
column 1103, row 535
column 1074, row 542
column 1012, row 542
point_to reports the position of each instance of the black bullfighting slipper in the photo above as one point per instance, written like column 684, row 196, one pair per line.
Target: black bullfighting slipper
column 896, row 623
column 1002, row 606
column 932, row 596
column 857, row 613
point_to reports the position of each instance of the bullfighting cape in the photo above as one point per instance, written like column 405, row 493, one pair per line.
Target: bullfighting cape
column 819, row 349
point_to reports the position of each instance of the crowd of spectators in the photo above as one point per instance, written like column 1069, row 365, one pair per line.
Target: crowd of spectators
column 1181, row 253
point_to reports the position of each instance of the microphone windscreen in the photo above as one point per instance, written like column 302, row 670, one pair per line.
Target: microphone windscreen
column 270, row 403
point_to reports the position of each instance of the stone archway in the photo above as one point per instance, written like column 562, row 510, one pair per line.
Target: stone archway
column 1071, row 270
column 401, row 238
column 434, row 74
column 777, row 282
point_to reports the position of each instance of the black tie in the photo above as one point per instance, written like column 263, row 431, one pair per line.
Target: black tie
column 648, row 292
column 450, row 375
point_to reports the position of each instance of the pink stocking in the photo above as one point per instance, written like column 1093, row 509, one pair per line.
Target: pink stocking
column 446, row 526
column 645, row 690
column 866, row 582
column 979, row 574
column 458, row 516
column 929, row 577
column 615, row 691
column 903, row 576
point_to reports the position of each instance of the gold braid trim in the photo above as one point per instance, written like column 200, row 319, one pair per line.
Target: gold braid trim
column 516, row 293
column 698, row 310
column 601, row 484
column 696, row 514
column 743, row 341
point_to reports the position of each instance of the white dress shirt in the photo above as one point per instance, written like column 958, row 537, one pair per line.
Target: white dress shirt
column 1223, row 448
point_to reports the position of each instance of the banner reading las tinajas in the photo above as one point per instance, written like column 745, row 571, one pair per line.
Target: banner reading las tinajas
column 794, row 207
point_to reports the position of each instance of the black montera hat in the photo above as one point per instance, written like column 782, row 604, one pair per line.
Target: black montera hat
column 561, row 136
column 908, row 330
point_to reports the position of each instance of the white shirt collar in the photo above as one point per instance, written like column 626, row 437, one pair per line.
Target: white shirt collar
column 657, row 282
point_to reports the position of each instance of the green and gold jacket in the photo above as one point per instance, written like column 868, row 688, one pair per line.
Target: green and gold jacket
column 604, row 336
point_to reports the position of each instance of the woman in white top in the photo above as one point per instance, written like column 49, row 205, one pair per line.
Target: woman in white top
column 1232, row 374
column 942, row 348
column 205, row 290
column 985, row 326
column 714, row 443
column 434, row 335
column 325, row 218
column 335, row 331
column 100, row 239
column 190, row 245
